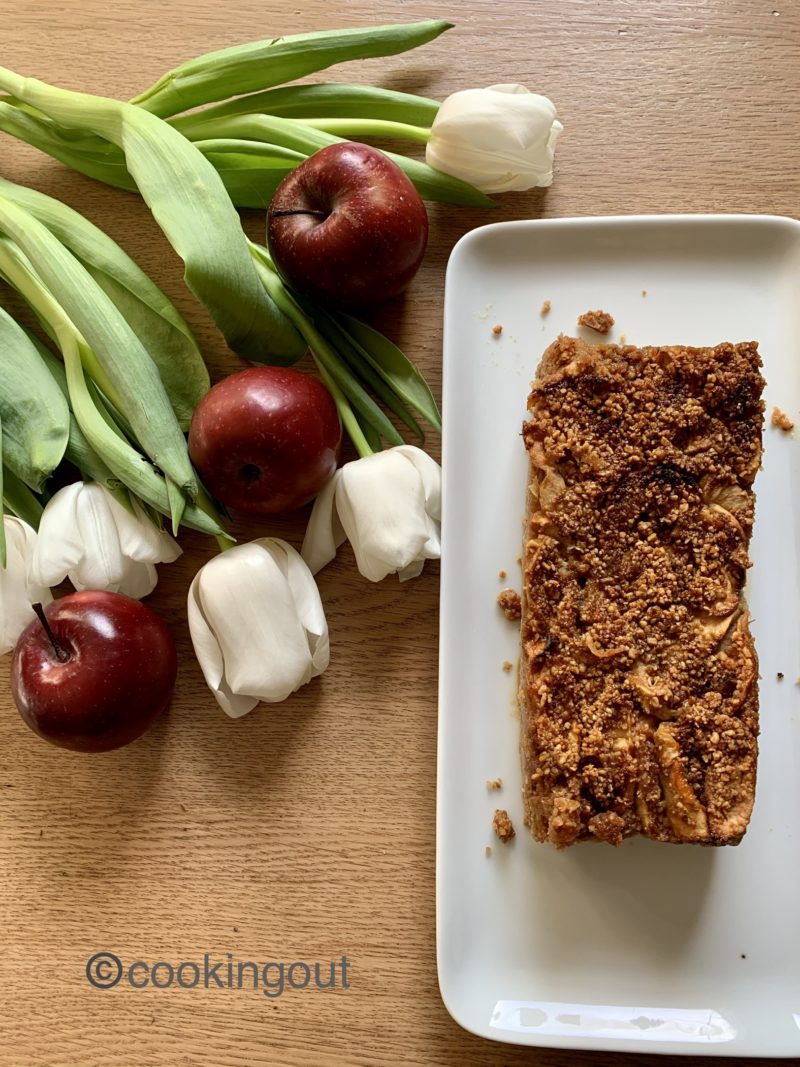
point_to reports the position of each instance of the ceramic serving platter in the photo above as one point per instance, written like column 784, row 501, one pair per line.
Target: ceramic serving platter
column 645, row 948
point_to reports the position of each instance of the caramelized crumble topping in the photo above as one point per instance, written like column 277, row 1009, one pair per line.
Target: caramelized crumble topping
column 781, row 420
column 503, row 826
column 600, row 321
column 510, row 603
column 638, row 673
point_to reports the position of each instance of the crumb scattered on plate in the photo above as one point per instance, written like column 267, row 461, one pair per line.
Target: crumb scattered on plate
column 510, row 604
column 623, row 339
column 497, row 330
column 545, row 308
column 598, row 320
column 780, row 676
column 503, row 826
column 644, row 292
column 494, row 783
column 487, row 851
column 781, row 420
column 507, row 665
column 501, row 575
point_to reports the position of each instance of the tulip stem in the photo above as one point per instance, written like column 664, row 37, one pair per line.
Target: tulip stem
column 354, row 127
column 62, row 655
column 318, row 347
column 346, row 413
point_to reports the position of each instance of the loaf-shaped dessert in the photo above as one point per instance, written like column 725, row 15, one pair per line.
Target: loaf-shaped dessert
column 638, row 673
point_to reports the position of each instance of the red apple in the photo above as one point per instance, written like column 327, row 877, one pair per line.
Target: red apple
column 266, row 440
column 93, row 671
column 347, row 227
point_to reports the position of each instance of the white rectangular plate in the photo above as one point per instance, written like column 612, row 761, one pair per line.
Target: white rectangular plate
column 649, row 947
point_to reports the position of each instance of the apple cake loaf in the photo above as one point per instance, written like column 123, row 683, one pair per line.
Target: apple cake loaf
column 638, row 675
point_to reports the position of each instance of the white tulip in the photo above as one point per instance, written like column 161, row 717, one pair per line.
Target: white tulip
column 499, row 139
column 257, row 624
column 388, row 506
column 17, row 592
column 88, row 536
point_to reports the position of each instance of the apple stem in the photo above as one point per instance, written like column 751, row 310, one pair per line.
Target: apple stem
column 279, row 213
column 61, row 653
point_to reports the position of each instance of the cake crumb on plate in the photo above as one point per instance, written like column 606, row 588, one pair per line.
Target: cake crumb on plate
column 501, row 575
column 510, row 604
column 497, row 330
column 487, row 851
column 494, row 783
column 598, row 320
column 503, row 826
column 545, row 308
column 507, row 665
column 781, row 420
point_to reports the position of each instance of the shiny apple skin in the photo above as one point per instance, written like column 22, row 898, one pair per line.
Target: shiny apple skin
column 370, row 239
column 266, row 440
column 119, row 676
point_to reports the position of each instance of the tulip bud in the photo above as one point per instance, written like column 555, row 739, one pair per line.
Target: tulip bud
column 388, row 505
column 257, row 624
column 88, row 536
column 500, row 139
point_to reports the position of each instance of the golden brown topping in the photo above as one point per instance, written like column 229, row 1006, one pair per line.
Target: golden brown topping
column 598, row 320
column 638, row 671
column 510, row 604
column 503, row 826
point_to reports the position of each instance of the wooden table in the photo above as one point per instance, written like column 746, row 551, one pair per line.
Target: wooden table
column 306, row 831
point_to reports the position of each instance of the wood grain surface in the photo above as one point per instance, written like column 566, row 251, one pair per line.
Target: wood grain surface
column 306, row 831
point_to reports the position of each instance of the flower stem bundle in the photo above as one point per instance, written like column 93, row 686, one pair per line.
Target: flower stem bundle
column 131, row 372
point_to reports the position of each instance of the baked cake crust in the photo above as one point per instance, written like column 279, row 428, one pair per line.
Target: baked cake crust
column 638, row 675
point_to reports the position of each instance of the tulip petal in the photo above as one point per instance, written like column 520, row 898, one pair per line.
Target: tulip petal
column 102, row 563
column 307, row 601
column 257, row 624
column 17, row 592
column 209, row 656
column 59, row 545
column 324, row 533
column 139, row 538
column 138, row 579
column 381, row 505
